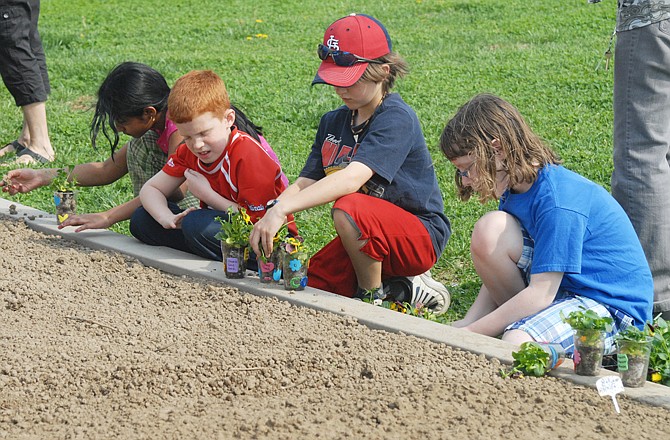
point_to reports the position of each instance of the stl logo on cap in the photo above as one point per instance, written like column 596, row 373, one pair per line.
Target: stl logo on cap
column 333, row 43
column 359, row 35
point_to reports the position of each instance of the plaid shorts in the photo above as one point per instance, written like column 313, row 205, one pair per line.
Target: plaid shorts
column 547, row 325
column 525, row 262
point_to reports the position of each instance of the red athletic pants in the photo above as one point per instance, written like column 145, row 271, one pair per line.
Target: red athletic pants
column 393, row 236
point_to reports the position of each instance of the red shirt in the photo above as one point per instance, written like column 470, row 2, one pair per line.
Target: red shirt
column 244, row 173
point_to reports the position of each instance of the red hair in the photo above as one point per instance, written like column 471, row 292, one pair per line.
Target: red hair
column 196, row 93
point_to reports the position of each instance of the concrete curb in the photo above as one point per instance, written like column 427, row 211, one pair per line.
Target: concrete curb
column 180, row 263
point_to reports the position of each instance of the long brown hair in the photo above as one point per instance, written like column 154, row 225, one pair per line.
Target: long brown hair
column 471, row 132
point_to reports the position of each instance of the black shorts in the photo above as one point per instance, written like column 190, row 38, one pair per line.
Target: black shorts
column 22, row 62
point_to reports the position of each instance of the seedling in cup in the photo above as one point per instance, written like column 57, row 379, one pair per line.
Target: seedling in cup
column 590, row 329
column 64, row 186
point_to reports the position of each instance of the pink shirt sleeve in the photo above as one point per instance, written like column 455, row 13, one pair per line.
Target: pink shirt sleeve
column 268, row 149
column 164, row 137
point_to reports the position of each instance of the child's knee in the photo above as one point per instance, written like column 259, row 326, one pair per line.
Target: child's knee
column 493, row 232
column 343, row 223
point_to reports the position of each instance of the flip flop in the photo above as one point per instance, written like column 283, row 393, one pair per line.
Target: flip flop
column 23, row 151
column 15, row 144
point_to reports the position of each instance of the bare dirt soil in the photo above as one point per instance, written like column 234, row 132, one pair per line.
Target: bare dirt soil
column 96, row 345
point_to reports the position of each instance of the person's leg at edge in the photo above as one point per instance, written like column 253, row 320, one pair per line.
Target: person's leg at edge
column 24, row 53
column 35, row 126
column 496, row 247
column 641, row 176
column 147, row 230
column 35, row 133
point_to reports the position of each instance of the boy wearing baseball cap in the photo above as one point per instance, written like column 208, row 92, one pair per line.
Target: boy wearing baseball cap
column 371, row 159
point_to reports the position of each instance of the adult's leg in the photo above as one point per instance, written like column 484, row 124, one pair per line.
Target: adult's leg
column 35, row 129
column 641, row 176
column 35, row 133
column 23, row 69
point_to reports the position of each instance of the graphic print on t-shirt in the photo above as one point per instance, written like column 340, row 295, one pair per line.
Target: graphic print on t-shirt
column 336, row 156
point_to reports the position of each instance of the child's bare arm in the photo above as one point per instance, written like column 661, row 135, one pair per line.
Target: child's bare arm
column 534, row 298
column 153, row 196
column 203, row 191
column 102, row 173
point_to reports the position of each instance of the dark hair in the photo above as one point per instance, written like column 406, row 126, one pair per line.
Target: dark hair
column 244, row 124
column 126, row 91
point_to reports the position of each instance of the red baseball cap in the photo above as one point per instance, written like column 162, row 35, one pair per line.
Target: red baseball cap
column 359, row 34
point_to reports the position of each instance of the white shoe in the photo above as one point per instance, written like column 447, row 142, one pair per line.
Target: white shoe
column 429, row 293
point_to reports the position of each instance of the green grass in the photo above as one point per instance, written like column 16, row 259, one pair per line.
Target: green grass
column 544, row 57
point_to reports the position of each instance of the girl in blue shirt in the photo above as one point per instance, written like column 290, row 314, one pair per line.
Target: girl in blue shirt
column 558, row 242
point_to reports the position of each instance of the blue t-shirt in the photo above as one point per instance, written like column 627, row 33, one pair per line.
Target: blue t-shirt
column 579, row 229
column 394, row 148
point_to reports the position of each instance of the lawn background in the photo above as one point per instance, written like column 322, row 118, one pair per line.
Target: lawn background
column 545, row 57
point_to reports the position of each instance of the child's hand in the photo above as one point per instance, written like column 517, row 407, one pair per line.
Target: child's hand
column 22, row 181
column 265, row 229
column 173, row 221
column 198, row 185
column 87, row 221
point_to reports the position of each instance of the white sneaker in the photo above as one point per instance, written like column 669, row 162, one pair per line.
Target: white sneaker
column 429, row 293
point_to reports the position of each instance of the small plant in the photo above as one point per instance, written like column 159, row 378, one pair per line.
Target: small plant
column 636, row 336
column 530, row 360
column 633, row 355
column 590, row 329
column 64, row 181
column 235, row 230
column 587, row 320
column 659, row 359
column 294, row 245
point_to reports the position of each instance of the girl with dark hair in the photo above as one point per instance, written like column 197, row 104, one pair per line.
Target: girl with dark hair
column 132, row 100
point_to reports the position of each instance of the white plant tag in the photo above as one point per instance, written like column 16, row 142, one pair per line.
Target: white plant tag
column 610, row 386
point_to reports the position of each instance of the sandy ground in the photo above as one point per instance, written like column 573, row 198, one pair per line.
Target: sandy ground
column 96, row 345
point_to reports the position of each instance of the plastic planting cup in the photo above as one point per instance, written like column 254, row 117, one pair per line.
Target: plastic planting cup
column 270, row 270
column 589, row 350
column 234, row 260
column 633, row 361
column 66, row 205
column 295, row 270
